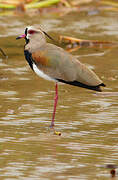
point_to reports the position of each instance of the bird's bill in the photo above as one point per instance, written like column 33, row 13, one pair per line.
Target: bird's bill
column 22, row 36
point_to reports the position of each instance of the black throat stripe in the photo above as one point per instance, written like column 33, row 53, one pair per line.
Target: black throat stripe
column 28, row 57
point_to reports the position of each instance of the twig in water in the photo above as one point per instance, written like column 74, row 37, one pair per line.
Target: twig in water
column 3, row 53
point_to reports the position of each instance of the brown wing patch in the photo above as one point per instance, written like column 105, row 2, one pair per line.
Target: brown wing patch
column 39, row 58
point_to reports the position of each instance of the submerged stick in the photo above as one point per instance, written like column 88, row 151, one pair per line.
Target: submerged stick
column 3, row 53
column 74, row 44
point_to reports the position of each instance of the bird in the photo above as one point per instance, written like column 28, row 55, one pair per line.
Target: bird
column 53, row 63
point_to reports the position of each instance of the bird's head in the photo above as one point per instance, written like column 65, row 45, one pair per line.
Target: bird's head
column 32, row 33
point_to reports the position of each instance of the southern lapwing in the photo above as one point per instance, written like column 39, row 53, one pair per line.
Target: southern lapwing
column 55, row 64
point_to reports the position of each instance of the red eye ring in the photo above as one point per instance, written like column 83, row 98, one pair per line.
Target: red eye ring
column 31, row 32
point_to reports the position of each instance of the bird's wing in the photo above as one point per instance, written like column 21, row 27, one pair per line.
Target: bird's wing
column 59, row 64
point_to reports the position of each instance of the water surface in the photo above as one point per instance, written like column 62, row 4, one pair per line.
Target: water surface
column 88, row 122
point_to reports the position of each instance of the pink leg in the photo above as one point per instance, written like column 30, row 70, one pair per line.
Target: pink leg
column 55, row 104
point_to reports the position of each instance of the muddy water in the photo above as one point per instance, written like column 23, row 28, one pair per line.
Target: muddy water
column 88, row 122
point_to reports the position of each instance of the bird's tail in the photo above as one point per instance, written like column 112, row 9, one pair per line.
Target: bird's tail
column 97, row 88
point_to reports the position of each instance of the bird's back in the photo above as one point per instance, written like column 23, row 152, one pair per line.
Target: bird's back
column 61, row 65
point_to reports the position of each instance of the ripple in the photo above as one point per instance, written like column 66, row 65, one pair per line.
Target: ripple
column 8, row 93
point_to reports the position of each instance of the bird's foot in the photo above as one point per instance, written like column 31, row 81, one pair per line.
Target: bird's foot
column 57, row 133
column 54, row 131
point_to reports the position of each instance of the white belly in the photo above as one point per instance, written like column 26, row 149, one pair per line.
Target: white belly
column 41, row 73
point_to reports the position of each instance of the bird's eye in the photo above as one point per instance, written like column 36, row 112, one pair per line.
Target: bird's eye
column 31, row 32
